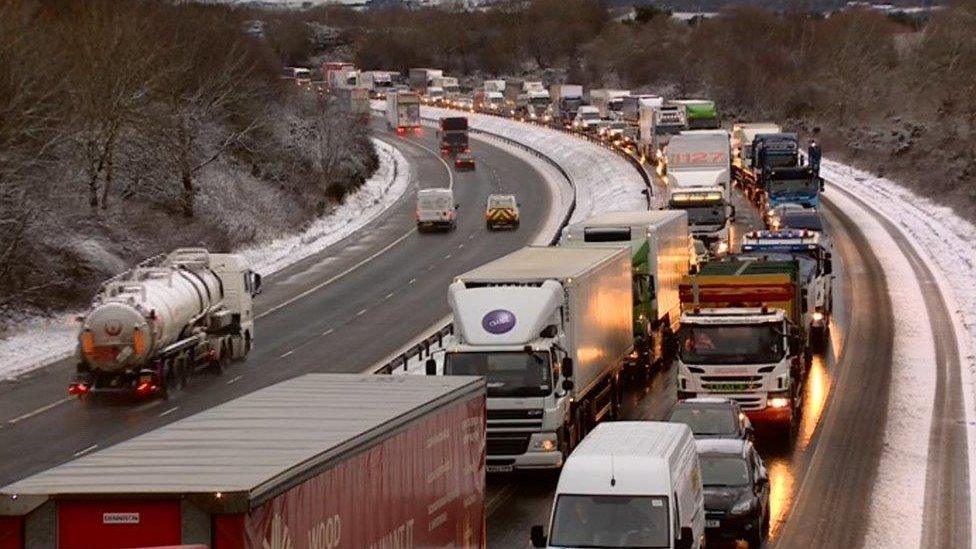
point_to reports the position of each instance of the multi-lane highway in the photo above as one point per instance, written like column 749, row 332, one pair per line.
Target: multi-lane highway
column 341, row 310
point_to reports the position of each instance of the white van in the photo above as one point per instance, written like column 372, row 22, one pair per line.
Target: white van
column 436, row 209
column 629, row 484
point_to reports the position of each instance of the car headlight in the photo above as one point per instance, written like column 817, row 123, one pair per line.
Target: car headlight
column 741, row 507
column 545, row 442
column 818, row 316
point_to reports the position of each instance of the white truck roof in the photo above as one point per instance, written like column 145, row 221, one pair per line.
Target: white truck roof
column 639, row 455
column 435, row 192
column 732, row 315
column 535, row 263
column 649, row 217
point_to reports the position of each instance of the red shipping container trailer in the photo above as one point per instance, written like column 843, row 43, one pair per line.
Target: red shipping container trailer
column 322, row 461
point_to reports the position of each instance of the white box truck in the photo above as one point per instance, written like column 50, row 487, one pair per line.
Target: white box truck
column 494, row 86
column 549, row 328
column 656, row 125
column 629, row 484
column 608, row 101
column 698, row 166
column 402, row 111
column 658, row 241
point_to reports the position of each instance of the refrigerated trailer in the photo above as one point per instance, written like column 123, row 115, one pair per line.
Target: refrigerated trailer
column 659, row 243
column 318, row 461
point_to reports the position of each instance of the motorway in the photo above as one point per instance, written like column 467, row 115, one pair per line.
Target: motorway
column 341, row 310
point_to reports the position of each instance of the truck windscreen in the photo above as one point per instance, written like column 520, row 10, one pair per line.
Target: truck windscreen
column 805, row 185
column 702, row 215
column 731, row 344
column 586, row 520
column 508, row 373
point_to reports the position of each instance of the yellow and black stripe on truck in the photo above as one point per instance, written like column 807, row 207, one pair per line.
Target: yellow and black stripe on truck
column 501, row 216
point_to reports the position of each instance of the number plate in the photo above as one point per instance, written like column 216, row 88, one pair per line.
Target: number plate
column 728, row 387
column 498, row 468
column 712, row 523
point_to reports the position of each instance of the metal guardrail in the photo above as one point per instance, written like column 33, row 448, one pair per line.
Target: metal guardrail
column 422, row 349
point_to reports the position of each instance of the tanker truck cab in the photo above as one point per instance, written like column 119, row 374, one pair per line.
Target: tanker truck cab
column 549, row 328
column 629, row 484
column 710, row 216
column 750, row 355
column 812, row 250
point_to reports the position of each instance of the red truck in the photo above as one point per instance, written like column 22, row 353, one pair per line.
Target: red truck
column 322, row 461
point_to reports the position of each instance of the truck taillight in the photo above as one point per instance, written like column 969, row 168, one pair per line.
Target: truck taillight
column 138, row 341
column 401, row 130
column 88, row 344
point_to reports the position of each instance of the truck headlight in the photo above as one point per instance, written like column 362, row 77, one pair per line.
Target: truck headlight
column 818, row 316
column 545, row 442
column 778, row 400
column 723, row 247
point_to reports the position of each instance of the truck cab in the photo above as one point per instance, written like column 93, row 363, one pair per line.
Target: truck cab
column 587, row 118
column 747, row 354
column 813, row 252
column 770, row 151
column 792, row 185
column 710, row 216
column 534, row 105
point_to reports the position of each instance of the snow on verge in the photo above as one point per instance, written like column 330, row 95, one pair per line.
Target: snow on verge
column 948, row 244
column 48, row 340
column 376, row 195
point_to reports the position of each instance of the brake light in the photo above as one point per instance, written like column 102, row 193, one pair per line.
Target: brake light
column 145, row 388
column 78, row 389
column 401, row 130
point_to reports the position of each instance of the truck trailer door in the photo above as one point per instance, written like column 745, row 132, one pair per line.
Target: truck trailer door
column 117, row 524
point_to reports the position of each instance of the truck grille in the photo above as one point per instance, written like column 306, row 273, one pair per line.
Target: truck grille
column 514, row 420
column 514, row 414
column 731, row 384
column 749, row 402
column 507, row 444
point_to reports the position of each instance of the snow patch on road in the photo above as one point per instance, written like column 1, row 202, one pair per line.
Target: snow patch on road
column 948, row 244
column 47, row 340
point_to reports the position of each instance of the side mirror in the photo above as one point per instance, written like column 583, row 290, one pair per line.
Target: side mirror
column 821, row 184
column 828, row 265
column 456, row 206
column 732, row 213
column 567, row 367
column 539, row 536
column 430, row 367
column 568, row 385
column 687, row 539
column 645, row 192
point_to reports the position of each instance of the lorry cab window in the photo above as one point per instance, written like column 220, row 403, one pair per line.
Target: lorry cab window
column 731, row 344
column 508, row 373
column 611, row 521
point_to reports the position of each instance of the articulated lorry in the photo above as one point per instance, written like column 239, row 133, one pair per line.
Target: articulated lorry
column 549, row 328
column 741, row 338
column 403, row 111
column 769, row 151
column 450, row 86
column 149, row 328
column 630, row 106
column 609, row 102
column 421, row 79
column 655, row 127
column 813, row 253
column 453, row 133
column 710, row 215
column 566, row 100
column 701, row 113
column 658, row 241
column 319, row 461
column 698, row 174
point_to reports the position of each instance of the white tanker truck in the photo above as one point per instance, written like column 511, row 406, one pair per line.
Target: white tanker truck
column 149, row 328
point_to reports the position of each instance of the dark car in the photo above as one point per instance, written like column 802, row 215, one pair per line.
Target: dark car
column 464, row 161
column 801, row 220
column 736, row 487
column 712, row 418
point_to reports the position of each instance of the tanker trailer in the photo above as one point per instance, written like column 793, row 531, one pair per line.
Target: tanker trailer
column 150, row 327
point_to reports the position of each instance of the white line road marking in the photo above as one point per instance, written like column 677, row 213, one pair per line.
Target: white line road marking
column 448, row 256
column 471, row 236
column 235, row 380
column 412, row 280
column 499, row 498
column 327, row 332
column 40, row 410
column 361, row 313
column 86, row 450
column 170, row 411
column 389, row 295
column 286, row 354
column 460, row 246
column 318, row 287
